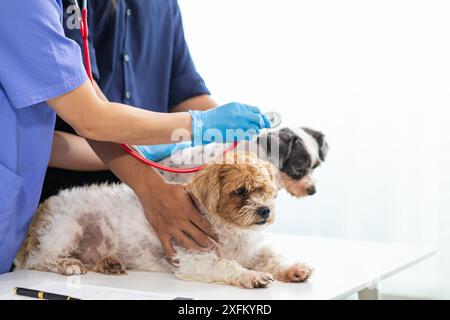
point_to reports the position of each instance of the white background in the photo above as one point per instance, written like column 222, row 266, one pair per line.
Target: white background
column 375, row 77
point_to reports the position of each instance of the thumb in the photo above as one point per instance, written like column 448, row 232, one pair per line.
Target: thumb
column 266, row 121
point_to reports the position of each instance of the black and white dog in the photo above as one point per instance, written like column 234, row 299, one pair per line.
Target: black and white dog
column 294, row 152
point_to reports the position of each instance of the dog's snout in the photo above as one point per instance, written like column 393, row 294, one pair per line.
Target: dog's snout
column 263, row 212
column 311, row 190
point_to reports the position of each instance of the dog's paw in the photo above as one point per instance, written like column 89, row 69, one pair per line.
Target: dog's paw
column 111, row 265
column 254, row 279
column 70, row 267
column 298, row 272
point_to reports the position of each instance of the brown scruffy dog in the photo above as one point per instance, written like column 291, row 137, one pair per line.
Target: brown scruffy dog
column 104, row 229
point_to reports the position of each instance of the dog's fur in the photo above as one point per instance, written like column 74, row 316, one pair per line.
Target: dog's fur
column 294, row 152
column 104, row 229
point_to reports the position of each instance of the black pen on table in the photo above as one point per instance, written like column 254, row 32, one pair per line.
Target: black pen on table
column 41, row 294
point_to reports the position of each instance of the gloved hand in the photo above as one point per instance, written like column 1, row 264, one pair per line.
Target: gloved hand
column 162, row 151
column 212, row 125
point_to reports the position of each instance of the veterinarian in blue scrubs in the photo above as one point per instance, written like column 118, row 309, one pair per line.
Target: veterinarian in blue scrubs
column 41, row 72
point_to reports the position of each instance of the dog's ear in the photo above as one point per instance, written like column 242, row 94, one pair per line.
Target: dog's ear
column 205, row 186
column 276, row 144
column 294, row 158
column 321, row 142
column 287, row 140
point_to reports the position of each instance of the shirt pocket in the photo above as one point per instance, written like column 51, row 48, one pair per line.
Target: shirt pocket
column 10, row 185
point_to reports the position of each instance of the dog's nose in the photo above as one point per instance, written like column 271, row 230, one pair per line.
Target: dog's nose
column 263, row 212
column 311, row 190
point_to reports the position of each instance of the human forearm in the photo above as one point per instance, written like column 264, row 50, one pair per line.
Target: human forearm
column 124, row 124
column 135, row 174
column 72, row 152
column 100, row 120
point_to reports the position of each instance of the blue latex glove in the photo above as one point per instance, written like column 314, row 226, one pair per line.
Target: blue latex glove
column 162, row 151
column 230, row 116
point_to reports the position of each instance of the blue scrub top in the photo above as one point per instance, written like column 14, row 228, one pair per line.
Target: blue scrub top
column 37, row 63
column 139, row 53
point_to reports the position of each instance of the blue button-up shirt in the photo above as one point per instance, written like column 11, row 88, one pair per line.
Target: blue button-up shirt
column 139, row 53
column 37, row 63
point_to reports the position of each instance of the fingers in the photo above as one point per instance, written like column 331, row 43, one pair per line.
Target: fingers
column 241, row 107
column 198, row 242
column 254, row 109
column 267, row 123
column 166, row 242
column 199, row 221
column 204, row 226
column 198, row 228
column 198, row 236
column 259, row 120
column 262, row 119
column 183, row 240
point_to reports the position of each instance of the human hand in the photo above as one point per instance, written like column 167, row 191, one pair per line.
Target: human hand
column 173, row 216
column 232, row 116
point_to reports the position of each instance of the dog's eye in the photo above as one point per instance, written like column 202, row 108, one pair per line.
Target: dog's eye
column 241, row 192
column 316, row 165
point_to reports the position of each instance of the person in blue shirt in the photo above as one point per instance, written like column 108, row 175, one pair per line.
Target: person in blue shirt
column 41, row 73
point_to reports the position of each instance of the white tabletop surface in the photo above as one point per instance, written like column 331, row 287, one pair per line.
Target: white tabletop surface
column 342, row 267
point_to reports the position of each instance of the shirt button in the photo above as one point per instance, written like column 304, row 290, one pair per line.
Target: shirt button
column 128, row 12
column 126, row 57
column 127, row 95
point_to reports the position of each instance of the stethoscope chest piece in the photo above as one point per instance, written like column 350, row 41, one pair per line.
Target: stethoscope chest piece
column 274, row 118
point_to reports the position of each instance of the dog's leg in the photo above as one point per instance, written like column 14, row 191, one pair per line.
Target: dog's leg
column 65, row 266
column 110, row 265
column 267, row 260
column 208, row 267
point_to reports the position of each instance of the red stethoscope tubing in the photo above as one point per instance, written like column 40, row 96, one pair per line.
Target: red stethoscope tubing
column 166, row 168
column 84, row 30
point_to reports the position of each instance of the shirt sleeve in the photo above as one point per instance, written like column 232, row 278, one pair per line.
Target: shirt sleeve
column 37, row 61
column 185, row 81
column 75, row 35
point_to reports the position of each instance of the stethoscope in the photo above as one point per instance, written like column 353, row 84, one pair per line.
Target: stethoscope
column 274, row 117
